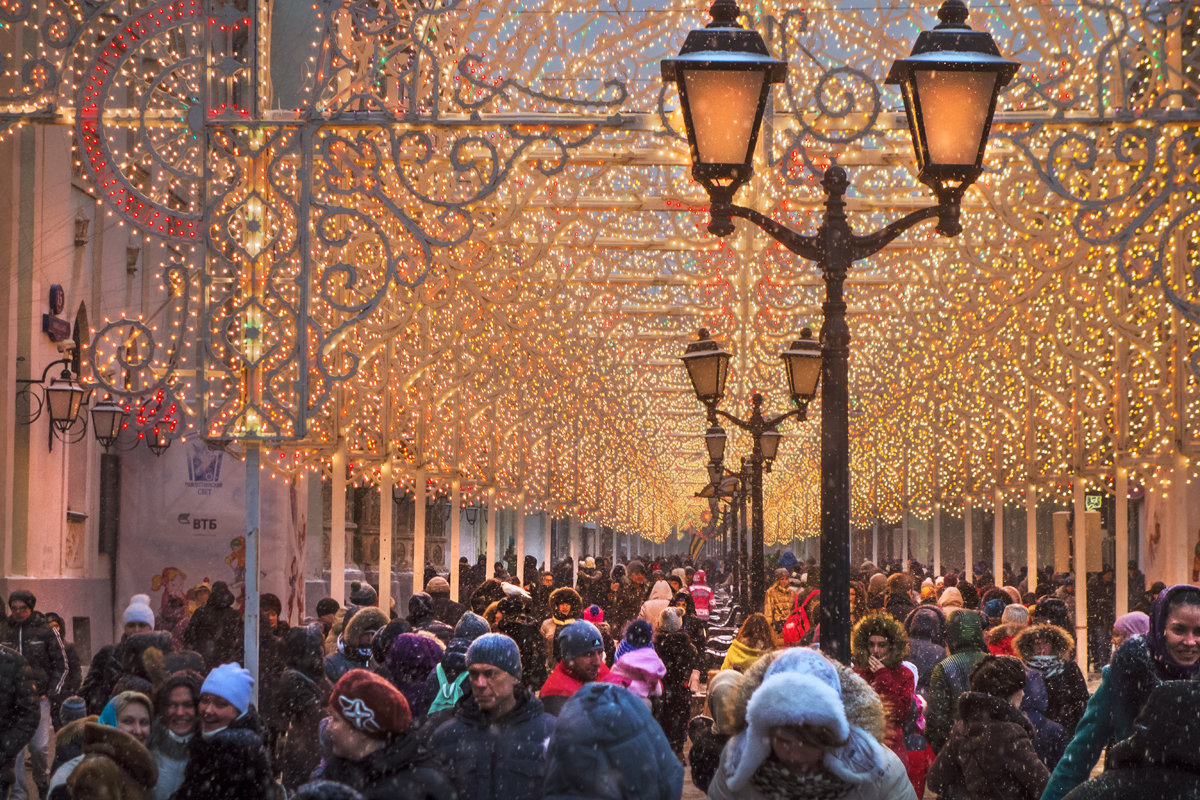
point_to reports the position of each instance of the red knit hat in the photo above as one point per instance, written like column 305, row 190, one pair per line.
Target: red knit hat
column 370, row 704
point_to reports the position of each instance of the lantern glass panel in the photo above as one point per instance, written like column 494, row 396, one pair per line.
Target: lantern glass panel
column 954, row 108
column 723, row 105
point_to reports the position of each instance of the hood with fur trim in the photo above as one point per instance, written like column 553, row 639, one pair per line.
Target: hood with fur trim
column 1062, row 644
column 565, row 594
column 928, row 623
column 863, row 706
column 724, row 694
column 368, row 618
column 878, row 623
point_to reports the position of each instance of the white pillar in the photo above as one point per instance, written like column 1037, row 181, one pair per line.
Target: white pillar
column 1080, row 556
column 493, row 513
column 615, row 548
column 1031, row 553
column 455, row 537
column 573, row 540
column 998, row 537
column 547, row 524
column 337, row 525
column 875, row 543
column 420, row 501
column 937, row 538
column 253, row 510
column 386, row 504
column 904, row 541
column 968, row 541
column 521, row 539
column 1121, row 489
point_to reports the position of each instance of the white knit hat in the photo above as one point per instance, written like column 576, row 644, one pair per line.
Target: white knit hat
column 139, row 610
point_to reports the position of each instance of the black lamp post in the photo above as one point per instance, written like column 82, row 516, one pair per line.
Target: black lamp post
column 107, row 420
column 949, row 84
column 708, row 366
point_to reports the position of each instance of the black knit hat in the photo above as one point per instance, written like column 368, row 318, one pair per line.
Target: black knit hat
column 999, row 676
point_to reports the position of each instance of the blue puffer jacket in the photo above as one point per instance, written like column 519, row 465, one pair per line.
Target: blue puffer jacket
column 488, row 759
column 606, row 745
column 1050, row 739
column 1126, row 685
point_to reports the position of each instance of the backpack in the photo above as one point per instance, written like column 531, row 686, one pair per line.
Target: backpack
column 449, row 691
column 798, row 623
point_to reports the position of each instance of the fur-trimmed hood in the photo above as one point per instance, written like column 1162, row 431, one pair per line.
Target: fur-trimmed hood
column 566, row 594
column 725, row 702
column 863, row 707
column 878, row 623
column 1062, row 644
column 927, row 622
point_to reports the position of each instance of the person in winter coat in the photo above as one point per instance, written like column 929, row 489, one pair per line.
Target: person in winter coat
column 177, row 703
column 136, row 656
column 354, row 643
column 799, row 741
column 74, row 679
column 679, row 657
column 696, row 630
column 373, row 750
column 445, row 610
column 926, row 629
column 565, row 607
column 1127, row 626
column 754, row 639
column 952, row 676
column 660, row 598
column 1049, row 738
column 625, row 601
column 1052, row 611
column 1013, row 620
column 443, row 680
column 297, row 705
column 128, row 712
column 422, row 617
column 702, row 594
column 582, row 649
column 410, row 661
column 709, row 740
column 215, row 630
column 606, row 746
column 514, row 621
column 539, row 587
column 639, row 668
column 950, row 600
column 595, row 615
column 20, row 710
column 114, row 765
column 1169, row 652
column 229, row 757
column 493, row 742
column 780, row 601
column 878, row 645
column 897, row 599
column 1051, row 651
column 1161, row 758
column 486, row 593
column 990, row 753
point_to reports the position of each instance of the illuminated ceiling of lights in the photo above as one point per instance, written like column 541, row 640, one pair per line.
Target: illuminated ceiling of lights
column 464, row 237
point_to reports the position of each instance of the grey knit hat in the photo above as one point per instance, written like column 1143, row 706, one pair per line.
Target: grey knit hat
column 496, row 650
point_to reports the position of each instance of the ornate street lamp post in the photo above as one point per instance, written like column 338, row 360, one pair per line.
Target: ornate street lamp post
column 708, row 365
column 950, row 83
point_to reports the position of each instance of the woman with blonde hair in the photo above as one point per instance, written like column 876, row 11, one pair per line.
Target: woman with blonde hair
column 752, row 642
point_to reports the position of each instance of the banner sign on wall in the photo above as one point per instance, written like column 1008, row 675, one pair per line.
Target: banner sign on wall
column 183, row 522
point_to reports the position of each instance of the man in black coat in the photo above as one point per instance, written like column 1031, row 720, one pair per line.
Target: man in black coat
column 373, row 751
column 215, row 630
column 27, row 631
column 19, row 710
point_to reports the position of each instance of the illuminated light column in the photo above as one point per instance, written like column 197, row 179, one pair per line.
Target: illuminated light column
column 455, row 537
column 521, row 539
column 1031, row 553
column 968, row 541
column 1080, row 564
column 337, row 526
column 937, row 538
column 386, row 505
column 998, row 537
column 420, row 499
column 490, row 546
column 1121, row 489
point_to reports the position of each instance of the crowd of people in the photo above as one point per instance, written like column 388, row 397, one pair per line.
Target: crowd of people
column 591, row 680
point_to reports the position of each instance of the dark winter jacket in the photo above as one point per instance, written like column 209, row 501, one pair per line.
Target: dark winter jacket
column 489, row 759
column 297, row 706
column 926, row 627
column 899, row 605
column 231, row 763
column 400, row 769
column 1050, row 739
column 19, row 707
column 1124, row 690
column 215, row 630
column 422, row 617
column 142, row 656
column 678, row 655
column 989, row 755
column 606, row 746
column 42, row 648
column 952, row 677
column 446, row 610
column 1161, row 758
column 1066, row 688
column 524, row 630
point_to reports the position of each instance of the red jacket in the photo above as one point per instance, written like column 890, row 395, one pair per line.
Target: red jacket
column 562, row 684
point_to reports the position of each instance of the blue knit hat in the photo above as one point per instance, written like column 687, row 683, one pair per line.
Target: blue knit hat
column 578, row 639
column 496, row 650
column 232, row 683
column 471, row 626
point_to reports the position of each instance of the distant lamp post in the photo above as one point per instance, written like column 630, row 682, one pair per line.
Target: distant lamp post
column 61, row 398
column 949, row 83
column 64, row 398
column 706, row 359
column 157, row 441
